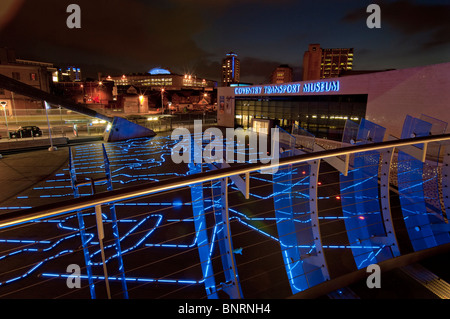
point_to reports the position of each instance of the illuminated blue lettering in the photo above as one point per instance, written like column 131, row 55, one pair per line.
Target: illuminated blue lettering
column 335, row 86
column 321, row 87
column 247, row 90
column 281, row 89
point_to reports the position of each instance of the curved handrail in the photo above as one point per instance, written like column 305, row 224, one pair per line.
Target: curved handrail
column 110, row 197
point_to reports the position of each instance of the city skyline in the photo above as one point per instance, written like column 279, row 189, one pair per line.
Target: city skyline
column 193, row 37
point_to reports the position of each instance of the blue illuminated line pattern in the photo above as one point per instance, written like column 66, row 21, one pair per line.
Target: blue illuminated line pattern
column 90, row 169
column 240, row 218
column 36, row 266
column 21, row 241
column 124, row 173
column 146, row 160
column 128, row 279
column 411, row 185
column 169, row 245
column 359, row 196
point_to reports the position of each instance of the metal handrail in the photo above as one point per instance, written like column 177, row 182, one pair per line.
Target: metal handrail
column 110, row 197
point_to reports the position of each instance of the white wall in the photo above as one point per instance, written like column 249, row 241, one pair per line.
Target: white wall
column 416, row 91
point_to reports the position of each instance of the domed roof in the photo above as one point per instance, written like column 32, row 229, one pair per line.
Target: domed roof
column 156, row 71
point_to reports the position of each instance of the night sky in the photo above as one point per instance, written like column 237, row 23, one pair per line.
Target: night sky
column 193, row 36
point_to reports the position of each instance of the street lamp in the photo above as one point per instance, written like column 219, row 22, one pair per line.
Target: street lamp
column 51, row 148
column 162, row 101
column 3, row 104
column 62, row 123
column 99, row 88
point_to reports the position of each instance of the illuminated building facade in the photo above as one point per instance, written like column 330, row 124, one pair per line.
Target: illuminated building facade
column 323, row 106
column 158, row 78
column 70, row 74
column 92, row 94
column 159, row 87
column 34, row 73
column 231, row 69
column 319, row 63
column 335, row 61
column 282, row 74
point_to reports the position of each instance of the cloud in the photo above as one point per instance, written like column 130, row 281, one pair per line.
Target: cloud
column 410, row 19
column 8, row 10
column 257, row 70
column 118, row 38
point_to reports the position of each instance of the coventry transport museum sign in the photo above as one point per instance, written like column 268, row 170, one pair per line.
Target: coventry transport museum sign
column 315, row 87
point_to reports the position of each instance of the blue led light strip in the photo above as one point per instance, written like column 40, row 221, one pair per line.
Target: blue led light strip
column 26, row 274
column 129, row 279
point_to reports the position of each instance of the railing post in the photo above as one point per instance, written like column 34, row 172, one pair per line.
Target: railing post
column 319, row 259
column 115, row 226
column 101, row 236
column 81, row 226
column 201, row 230
column 231, row 286
column 87, row 257
column 386, row 161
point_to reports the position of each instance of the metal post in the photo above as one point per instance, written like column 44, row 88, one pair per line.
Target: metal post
column 232, row 285
column 386, row 160
column 162, row 102
column 115, row 227
column 62, row 122
column 14, row 106
column 201, row 230
column 87, row 258
column 319, row 259
column 84, row 243
column 101, row 236
column 6, row 121
column 51, row 148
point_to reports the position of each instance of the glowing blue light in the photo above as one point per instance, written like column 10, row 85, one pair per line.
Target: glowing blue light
column 295, row 88
column 157, row 71
column 177, row 203
column 131, row 279
column 130, row 162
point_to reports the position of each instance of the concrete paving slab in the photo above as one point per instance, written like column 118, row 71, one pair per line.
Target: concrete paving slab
column 20, row 171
